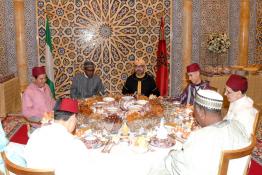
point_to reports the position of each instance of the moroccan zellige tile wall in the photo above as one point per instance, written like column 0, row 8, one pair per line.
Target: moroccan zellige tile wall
column 3, row 61
column 214, row 19
column 258, row 56
column 111, row 33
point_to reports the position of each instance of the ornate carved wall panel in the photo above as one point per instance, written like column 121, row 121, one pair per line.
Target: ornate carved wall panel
column 234, row 23
column 3, row 61
column 111, row 33
column 214, row 19
column 176, row 53
column 196, row 37
column 10, row 52
column 31, row 35
column 8, row 35
column 258, row 51
column 252, row 33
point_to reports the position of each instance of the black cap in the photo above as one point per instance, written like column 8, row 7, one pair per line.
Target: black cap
column 88, row 64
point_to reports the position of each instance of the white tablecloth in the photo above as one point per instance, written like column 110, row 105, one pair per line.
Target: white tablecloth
column 124, row 160
column 16, row 148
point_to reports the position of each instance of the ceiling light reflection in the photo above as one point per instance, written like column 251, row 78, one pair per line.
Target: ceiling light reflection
column 88, row 35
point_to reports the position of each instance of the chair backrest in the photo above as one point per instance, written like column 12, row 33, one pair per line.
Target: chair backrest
column 19, row 170
column 255, row 124
column 227, row 155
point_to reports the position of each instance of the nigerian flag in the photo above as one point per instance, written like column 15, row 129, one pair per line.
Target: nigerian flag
column 49, row 62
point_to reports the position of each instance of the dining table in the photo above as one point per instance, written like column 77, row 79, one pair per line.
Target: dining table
column 123, row 156
column 124, row 159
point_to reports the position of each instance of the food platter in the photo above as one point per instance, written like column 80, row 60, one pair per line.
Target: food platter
column 92, row 142
column 162, row 143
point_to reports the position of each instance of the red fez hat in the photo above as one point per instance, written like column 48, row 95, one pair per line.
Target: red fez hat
column 69, row 105
column 237, row 83
column 193, row 68
column 38, row 71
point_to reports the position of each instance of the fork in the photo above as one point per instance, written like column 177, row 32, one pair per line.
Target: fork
column 105, row 149
column 110, row 147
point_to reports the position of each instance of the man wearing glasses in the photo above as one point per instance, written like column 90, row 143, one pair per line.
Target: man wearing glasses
column 86, row 84
column 241, row 106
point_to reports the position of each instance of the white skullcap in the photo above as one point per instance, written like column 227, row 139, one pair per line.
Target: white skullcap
column 209, row 99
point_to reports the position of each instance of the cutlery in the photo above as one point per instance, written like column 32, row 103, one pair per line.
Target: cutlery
column 104, row 150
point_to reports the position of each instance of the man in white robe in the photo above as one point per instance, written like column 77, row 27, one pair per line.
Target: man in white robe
column 200, row 154
column 54, row 147
column 13, row 151
column 241, row 106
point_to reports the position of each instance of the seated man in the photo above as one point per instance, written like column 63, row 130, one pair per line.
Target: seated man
column 13, row 152
column 54, row 147
column 200, row 154
column 241, row 106
column 196, row 83
column 140, row 82
column 87, row 84
column 37, row 98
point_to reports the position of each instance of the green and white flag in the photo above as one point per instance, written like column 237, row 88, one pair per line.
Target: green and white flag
column 49, row 62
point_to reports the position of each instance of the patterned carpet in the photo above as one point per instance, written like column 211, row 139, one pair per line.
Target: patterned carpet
column 11, row 124
column 257, row 153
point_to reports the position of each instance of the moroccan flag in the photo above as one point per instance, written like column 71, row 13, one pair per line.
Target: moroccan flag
column 162, row 65
column 49, row 62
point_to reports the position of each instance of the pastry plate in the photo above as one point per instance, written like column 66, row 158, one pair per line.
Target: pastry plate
column 162, row 143
column 93, row 144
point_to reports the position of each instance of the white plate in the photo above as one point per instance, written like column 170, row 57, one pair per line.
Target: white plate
column 167, row 143
column 141, row 102
column 176, row 103
column 126, row 98
column 108, row 99
column 134, row 108
column 99, row 103
column 90, row 138
column 112, row 109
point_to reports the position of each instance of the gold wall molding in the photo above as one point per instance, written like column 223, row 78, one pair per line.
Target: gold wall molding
column 20, row 43
column 243, row 33
column 187, row 37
